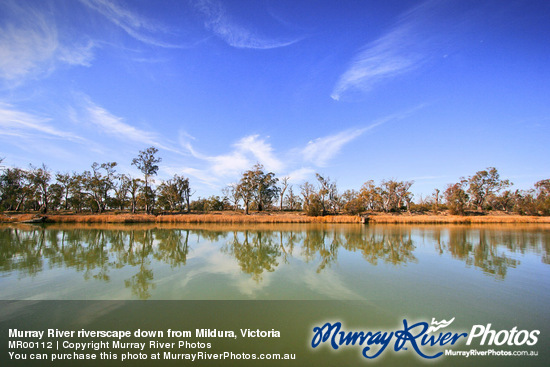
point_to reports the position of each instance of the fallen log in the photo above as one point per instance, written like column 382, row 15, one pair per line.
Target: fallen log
column 34, row 220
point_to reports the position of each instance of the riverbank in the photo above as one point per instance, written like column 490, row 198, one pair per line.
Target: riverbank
column 266, row 217
column 221, row 217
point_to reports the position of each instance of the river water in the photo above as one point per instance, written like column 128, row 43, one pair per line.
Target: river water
column 374, row 274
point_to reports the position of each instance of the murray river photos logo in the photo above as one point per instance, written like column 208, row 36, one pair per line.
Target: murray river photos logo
column 428, row 341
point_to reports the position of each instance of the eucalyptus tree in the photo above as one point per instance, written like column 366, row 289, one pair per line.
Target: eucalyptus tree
column 14, row 188
column 232, row 194
column 542, row 189
column 90, row 188
column 99, row 182
column 56, row 196
column 146, row 162
column 39, row 179
column 166, row 199
column 436, row 200
column 292, row 201
column 134, row 187
column 78, row 193
column 175, row 192
column 456, row 197
column 245, row 189
column 109, row 180
column 282, row 189
column 352, row 202
column 371, row 195
column 484, row 184
column 184, row 187
column 63, row 180
column 525, row 202
column 147, row 198
column 395, row 194
column 265, row 187
column 307, row 191
column 121, row 188
column 328, row 193
column 504, row 201
column 259, row 187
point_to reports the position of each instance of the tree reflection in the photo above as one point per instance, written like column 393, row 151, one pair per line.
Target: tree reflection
column 140, row 247
column 173, row 247
column 322, row 243
column 97, row 253
column 390, row 245
column 480, row 249
column 255, row 252
column 24, row 252
column 287, row 242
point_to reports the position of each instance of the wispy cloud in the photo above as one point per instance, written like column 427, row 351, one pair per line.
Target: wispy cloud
column 78, row 54
column 253, row 149
column 300, row 174
column 138, row 27
column 27, row 40
column 405, row 47
column 20, row 124
column 245, row 153
column 261, row 150
column 234, row 34
column 116, row 126
column 203, row 175
column 30, row 45
column 321, row 150
column 328, row 284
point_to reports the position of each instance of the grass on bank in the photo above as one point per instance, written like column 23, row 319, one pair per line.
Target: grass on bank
column 269, row 217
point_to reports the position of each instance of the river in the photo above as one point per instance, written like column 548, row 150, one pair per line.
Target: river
column 478, row 274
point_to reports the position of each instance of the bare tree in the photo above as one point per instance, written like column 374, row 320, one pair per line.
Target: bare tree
column 436, row 203
column 231, row 192
column 307, row 191
column 328, row 193
column 282, row 189
column 292, row 200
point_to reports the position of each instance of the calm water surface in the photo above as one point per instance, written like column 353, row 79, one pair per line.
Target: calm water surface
column 368, row 276
column 287, row 262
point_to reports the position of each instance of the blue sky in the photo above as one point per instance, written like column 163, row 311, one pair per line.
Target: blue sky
column 356, row 90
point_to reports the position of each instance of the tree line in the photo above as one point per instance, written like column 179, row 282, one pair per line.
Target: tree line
column 102, row 188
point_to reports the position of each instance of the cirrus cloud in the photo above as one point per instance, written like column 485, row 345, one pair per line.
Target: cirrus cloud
column 31, row 43
column 218, row 21
column 412, row 41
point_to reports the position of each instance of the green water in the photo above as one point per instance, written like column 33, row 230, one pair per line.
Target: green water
column 290, row 262
column 298, row 276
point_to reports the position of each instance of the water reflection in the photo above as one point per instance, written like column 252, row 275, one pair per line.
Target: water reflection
column 255, row 252
column 98, row 252
column 390, row 246
column 480, row 249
